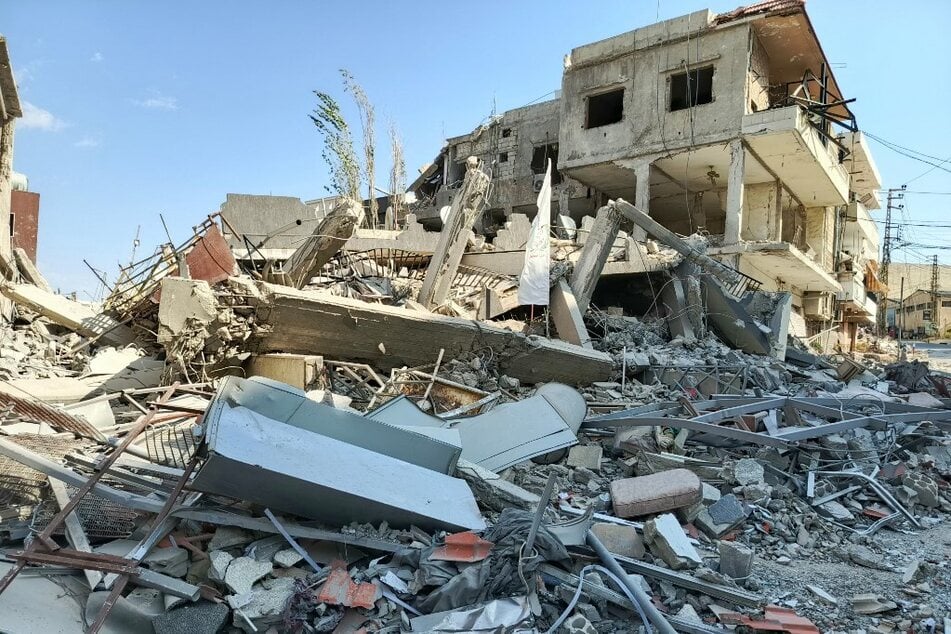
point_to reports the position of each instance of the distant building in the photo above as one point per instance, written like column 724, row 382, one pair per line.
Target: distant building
column 917, row 317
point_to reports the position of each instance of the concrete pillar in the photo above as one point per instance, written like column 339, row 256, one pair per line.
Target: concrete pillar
column 774, row 229
column 591, row 260
column 642, row 196
column 734, row 193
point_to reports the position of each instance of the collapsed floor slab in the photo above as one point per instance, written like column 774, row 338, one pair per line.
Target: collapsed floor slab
column 389, row 337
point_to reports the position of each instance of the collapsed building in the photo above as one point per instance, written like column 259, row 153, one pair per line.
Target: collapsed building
column 731, row 125
column 297, row 422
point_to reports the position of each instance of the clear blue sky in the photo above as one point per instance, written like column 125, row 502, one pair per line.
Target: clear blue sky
column 137, row 109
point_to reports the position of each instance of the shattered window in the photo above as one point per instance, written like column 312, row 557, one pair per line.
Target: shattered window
column 605, row 109
column 693, row 88
column 540, row 156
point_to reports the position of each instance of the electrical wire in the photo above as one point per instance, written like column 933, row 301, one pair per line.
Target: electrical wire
column 610, row 575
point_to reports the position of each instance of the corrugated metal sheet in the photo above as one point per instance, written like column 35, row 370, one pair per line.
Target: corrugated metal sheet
column 41, row 412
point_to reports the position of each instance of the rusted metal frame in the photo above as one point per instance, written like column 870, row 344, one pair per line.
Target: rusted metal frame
column 45, row 537
column 70, row 558
column 157, row 525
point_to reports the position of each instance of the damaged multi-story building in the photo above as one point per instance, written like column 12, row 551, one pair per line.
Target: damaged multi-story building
column 730, row 125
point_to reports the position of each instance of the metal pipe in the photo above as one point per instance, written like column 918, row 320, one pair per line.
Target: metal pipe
column 656, row 618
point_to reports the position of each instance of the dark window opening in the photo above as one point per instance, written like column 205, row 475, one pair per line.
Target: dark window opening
column 12, row 224
column 605, row 109
column 503, row 157
column 540, row 156
column 506, row 133
column 693, row 88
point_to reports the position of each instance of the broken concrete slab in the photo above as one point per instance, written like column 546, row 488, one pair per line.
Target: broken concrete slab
column 567, row 316
column 495, row 492
column 872, row 604
column 243, row 572
column 655, row 493
column 28, row 270
column 594, row 254
column 619, row 539
column 466, row 207
column 184, row 303
column 587, row 456
column 220, row 560
column 668, row 541
column 263, row 606
column 330, row 235
column 75, row 316
column 391, row 337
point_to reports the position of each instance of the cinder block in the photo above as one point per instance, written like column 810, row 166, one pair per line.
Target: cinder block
column 655, row 493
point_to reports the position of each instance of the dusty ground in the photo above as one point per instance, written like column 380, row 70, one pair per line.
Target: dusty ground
column 928, row 595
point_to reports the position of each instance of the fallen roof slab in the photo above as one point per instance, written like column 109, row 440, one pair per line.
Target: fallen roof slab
column 69, row 314
column 309, row 323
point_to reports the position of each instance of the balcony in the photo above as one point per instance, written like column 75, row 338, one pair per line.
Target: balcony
column 793, row 149
column 856, row 305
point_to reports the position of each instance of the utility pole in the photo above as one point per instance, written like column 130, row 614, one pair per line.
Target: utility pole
column 892, row 233
column 935, row 305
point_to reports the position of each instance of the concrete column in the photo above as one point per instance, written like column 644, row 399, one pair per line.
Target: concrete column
column 734, row 193
column 642, row 196
column 774, row 229
column 591, row 260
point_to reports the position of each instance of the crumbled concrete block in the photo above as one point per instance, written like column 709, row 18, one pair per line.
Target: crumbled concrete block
column 219, row 565
column 655, row 493
column 822, row 595
column 728, row 510
column 588, row 456
column 243, row 572
column 578, row 624
column 203, row 617
column 736, row 560
column 619, row 539
column 836, row 512
column 229, row 536
column 863, row 556
column 168, row 561
column 924, row 487
column 669, row 542
column 263, row 606
column 748, row 471
column 689, row 615
column 287, row 557
column 871, row 604
column 184, row 302
column 634, row 440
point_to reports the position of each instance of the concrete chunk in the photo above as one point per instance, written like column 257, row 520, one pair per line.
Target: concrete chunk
column 587, row 456
column 736, row 560
column 669, row 542
column 619, row 539
column 203, row 617
column 243, row 572
column 655, row 493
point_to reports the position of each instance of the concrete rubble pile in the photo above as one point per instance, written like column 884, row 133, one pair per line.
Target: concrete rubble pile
column 356, row 440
